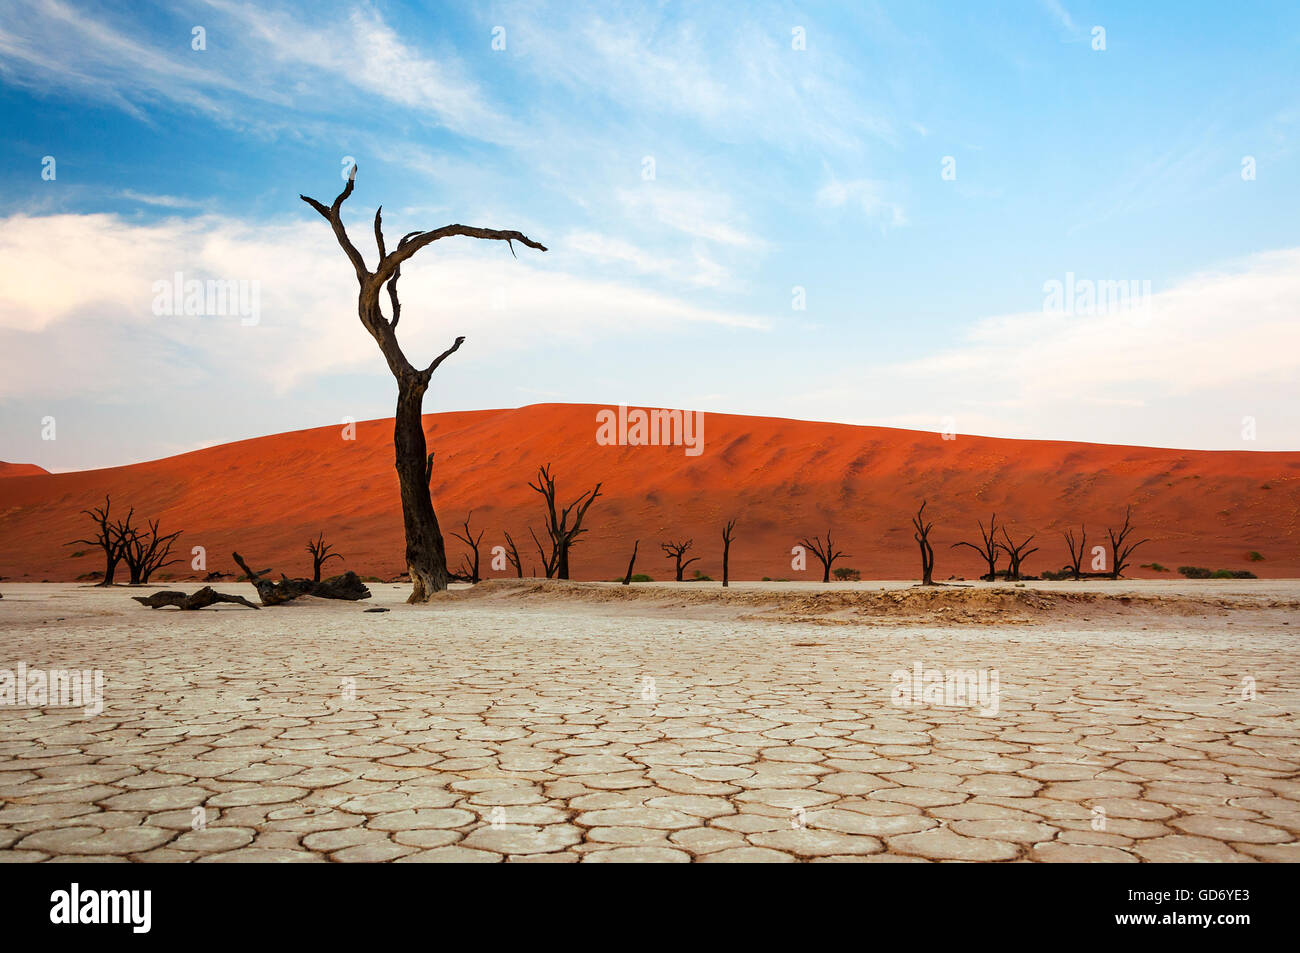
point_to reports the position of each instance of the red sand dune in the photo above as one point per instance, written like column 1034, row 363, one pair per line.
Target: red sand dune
column 19, row 469
column 781, row 479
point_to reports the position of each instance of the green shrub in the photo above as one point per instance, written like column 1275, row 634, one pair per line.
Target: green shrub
column 1194, row 572
column 1233, row 574
column 845, row 574
column 1254, row 557
column 1155, row 567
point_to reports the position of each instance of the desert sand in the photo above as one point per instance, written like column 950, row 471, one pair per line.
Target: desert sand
column 781, row 480
column 535, row 721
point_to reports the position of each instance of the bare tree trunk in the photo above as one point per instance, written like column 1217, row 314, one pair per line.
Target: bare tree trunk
column 922, row 537
column 627, row 579
column 426, row 553
column 728, row 534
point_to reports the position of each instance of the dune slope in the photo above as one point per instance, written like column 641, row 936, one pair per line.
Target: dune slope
column 781, row 479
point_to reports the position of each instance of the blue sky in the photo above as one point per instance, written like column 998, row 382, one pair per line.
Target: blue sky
column 775, row 168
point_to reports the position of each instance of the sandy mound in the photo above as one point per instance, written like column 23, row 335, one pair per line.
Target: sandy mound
column 782, row 479
column 939, row 605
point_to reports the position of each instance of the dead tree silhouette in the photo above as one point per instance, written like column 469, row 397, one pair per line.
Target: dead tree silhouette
column 676, row 550
column 728, row 534
column 627, row 577
column 988, row 548
column 470, row 571
column 320, row 554
column 146, row 552
column 825, row 553
column 1120, row 550
column 1016, row 553
column 426, row 555
column 1076, row 554
column 922, row 537
column 108, row 538
column 512, row 556
column 563, row 536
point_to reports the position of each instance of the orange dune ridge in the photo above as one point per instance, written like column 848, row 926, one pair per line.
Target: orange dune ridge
column 781, row 480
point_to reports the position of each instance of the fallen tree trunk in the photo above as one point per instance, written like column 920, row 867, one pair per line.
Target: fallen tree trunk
column 205, row 597
column 348, row 586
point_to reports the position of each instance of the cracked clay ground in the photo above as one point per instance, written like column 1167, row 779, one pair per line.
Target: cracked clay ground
column 490, row 730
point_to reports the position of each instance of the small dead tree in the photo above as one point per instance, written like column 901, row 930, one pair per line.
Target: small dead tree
column 627, row 576
column 468, row 569
column 676, row 550
column 146, row 552
column 1120, row 548
column 109, row 537
column 426, row 556
column 728, row 534
column 825, row 552
column 563, row 535
column 1076, row 552
column 922, row 537
column 512, row 556
column 1016, row 553
column 988, row 548
column 320, row 554
column 548, row 562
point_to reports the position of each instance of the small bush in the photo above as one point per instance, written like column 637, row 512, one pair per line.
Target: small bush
column 1254, row 557
column 845, row 574
column 1233, row 574
column 640, row 577
column 1155, row 567
column 1195, row 572
column 700, row 577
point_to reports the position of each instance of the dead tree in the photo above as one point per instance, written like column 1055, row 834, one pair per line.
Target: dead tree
column 675, row 551
column 426, row 556
column 512, row 556
column 728, row 534
column 563, row 536
column 988, row 548
column 348, row 586
column 825, row 552
column 320, row 554
column 1076, row 554
column 146, row 552
column 548, row 562
column 922, row 537
column 627, row 577
column 469, row 570
column 1120, row 549
column 109, row 538
column 1016, row 554
column 196, row 600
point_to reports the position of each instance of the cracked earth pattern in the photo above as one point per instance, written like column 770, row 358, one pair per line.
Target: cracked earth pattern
column 530, row 734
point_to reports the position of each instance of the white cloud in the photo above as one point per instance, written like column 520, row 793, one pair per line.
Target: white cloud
column 1208, row 351
column 76, row 303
